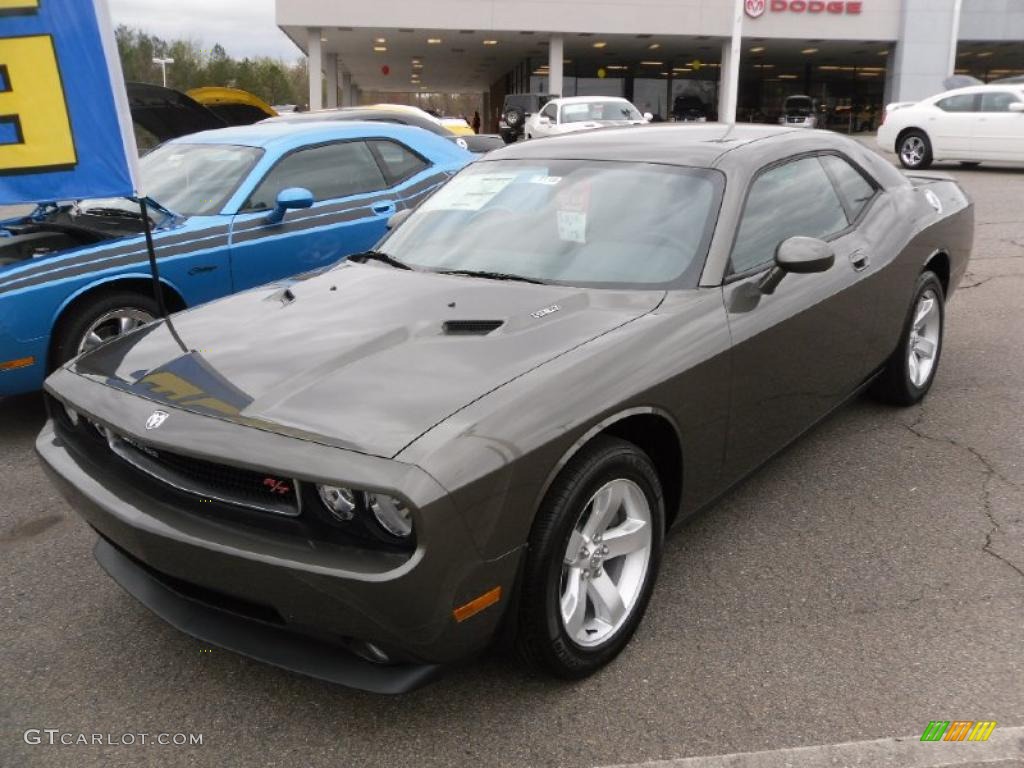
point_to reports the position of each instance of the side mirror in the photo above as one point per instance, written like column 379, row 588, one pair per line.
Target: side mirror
column 799, row 256
column 544, row 120
column 396, row 221
column 648, row 116
column 1016, row 106
column 288, row 199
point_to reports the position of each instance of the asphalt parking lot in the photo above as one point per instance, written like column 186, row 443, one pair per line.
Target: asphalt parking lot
column 867, row 581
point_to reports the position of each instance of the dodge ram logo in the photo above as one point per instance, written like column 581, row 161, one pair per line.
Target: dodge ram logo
column 755, row 8
column 156, row 418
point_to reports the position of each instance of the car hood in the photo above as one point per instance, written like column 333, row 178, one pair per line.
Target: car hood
column 167, row 113
column 363, row 357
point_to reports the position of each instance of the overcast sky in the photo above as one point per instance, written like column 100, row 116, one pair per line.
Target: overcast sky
column 243, row 27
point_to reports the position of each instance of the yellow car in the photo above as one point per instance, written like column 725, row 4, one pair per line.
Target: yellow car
column 233, row 105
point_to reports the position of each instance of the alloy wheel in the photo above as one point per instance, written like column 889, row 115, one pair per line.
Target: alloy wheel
column 913, row 150
column 925, row 332
column 606, row 563
column 112, row 324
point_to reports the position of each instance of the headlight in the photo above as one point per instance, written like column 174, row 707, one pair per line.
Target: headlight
column 340, row 502
column 392, row 516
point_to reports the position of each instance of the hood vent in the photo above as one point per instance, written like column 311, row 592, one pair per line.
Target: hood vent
column 471, row 327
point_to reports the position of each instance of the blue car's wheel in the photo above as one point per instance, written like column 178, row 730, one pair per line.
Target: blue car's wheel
column 98, row 319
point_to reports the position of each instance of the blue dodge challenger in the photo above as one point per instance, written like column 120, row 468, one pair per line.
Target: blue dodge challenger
column 230, row 209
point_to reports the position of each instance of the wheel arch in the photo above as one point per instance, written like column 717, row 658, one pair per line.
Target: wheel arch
column 912, row 129
column 939, row 263
column 138, row 282
column 652, row 430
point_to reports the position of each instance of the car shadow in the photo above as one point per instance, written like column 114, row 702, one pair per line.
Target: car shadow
column 21, row 417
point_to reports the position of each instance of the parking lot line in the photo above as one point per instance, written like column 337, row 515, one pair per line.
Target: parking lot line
column 1004, row 749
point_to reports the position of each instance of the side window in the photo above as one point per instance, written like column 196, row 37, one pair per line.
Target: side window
column 855, row 190
column 789, row 200
column 550, row 111
column 961, row 103
column 329, row 171
column 399, row 161
column 997, row 101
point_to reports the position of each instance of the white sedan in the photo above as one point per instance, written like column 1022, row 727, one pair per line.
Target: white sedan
column 969, row 125
column 582, row 113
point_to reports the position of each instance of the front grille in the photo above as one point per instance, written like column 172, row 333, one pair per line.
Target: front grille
column 209, row 480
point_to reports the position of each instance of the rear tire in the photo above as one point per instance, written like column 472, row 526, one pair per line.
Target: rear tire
column 580, row 601
column 910, row 371
column 97, row 319
column 914, row 150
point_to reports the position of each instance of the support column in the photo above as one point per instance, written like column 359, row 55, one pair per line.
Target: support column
column 925, row 50
column 729, row 71
column 346, row 89
column 331, row 69
column 556, row 53
column 315, row 65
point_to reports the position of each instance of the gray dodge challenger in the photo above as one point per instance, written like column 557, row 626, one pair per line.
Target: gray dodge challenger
column 479, row 432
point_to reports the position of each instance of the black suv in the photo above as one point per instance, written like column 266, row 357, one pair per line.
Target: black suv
column 515, row 110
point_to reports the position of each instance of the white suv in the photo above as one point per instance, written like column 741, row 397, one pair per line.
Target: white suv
column 582, row 113
column 971, row 125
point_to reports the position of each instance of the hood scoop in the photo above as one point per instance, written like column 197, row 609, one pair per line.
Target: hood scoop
column 471, row 327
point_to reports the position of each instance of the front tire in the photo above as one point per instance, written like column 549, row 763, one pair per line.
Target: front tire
column 98, row 319
column 592, row 560
column 914, row 150
column 910, row 371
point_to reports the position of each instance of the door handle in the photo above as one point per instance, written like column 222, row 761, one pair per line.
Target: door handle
column 860, row 261
column 384, row 209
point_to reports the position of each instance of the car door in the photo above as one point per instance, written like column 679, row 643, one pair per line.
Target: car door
column 798, row 352
column 998, row 132
column 350, row 211
column 950, row 125
column 546, row 121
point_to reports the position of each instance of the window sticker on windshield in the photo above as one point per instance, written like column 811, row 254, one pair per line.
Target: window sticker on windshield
column 573, row 204
column 470, row 193
column 548, row 180
column 575, row 109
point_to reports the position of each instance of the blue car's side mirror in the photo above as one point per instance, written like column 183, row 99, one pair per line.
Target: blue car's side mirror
column 287, row 199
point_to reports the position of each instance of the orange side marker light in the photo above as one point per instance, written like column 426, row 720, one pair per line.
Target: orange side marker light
column 477, row 604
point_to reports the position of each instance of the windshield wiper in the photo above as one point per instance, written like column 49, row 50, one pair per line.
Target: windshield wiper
column 365, row 256
column 490, row 275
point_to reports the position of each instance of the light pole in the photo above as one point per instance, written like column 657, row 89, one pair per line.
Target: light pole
column 163, row 67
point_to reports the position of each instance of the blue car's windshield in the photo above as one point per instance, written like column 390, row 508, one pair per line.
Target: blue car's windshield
column 187, row 179
column 574, row 222
column 195, row 179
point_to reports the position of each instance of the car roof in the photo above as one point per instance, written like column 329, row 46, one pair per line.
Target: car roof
column 587, row 99
column 699, row 145
column 285, row 135
column 982, row 88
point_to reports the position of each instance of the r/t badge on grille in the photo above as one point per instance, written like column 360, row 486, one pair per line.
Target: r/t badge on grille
column 156, row 418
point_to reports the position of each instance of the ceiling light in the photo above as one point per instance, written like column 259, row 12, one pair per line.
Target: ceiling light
column 681, row 69
column 490, row 42
column 787, row 77
column 434, row 40
column 983, row 54
column 651, row 63
column 809, row 51
column 653, row 46
column 600, row 44
column 380, row 48
column 823, row 67
column 323, row 39
column 617, row 67
column 758, row 49
column 884, row 53
column 380, row 40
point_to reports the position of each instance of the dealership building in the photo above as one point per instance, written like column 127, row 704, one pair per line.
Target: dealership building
column 741, row 58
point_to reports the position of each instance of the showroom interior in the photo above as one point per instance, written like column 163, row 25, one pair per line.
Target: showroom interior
column 851, row 57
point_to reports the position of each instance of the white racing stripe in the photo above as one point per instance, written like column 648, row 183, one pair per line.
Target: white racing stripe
column 1004, row 749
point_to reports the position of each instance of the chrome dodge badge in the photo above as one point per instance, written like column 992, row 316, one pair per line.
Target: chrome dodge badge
column 156, row 418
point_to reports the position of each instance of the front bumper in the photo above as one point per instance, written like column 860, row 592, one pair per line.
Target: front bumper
column 284, row 601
